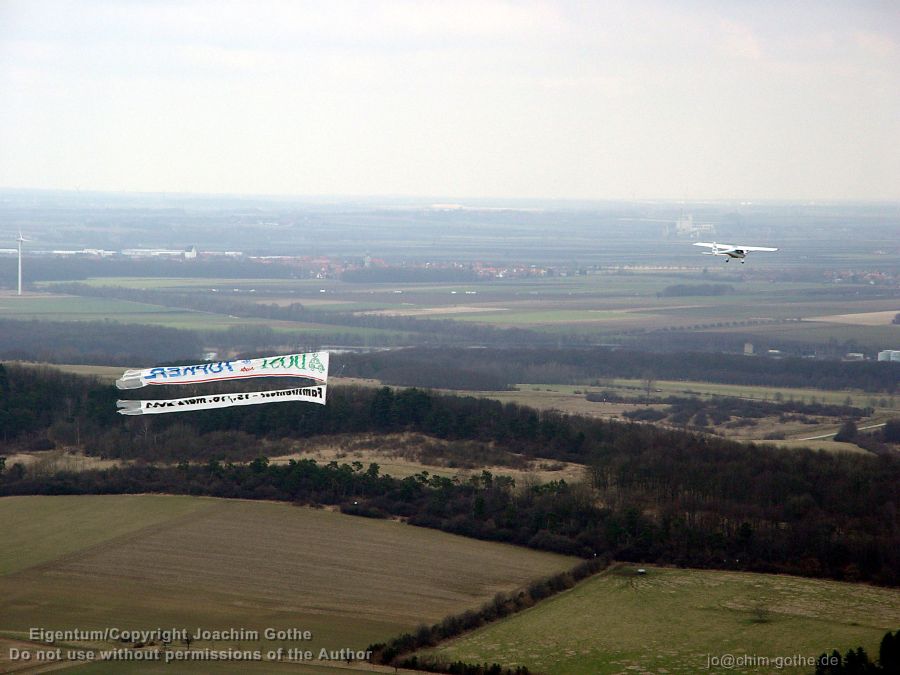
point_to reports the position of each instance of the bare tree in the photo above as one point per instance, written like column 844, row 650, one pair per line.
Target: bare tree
column 649, row 384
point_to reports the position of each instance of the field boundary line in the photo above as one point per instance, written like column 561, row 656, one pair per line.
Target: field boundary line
column 503, row 605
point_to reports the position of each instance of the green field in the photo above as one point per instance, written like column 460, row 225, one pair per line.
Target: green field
column 694, row 388
column 44, row 531
column 145, row 561
column 82, row 308
column 75, row 308
column 670, row 620
column 605, row 306
column 664, row 388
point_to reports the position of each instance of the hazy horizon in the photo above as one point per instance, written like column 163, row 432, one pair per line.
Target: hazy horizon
column 450, row 201
column 464, row 101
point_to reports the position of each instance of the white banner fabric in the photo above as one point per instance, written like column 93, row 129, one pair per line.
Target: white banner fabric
column 313, row 365
column 314, row 394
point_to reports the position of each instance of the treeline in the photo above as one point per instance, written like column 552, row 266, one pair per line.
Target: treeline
column 586, row 365
column 874, row 441
column 721, row 409
column 501, row 606
column 112, row 343
column 94, row 342
column 407, row 275
column 687, row 290
column 654, row 495
column 42, row 268
column 857, row 661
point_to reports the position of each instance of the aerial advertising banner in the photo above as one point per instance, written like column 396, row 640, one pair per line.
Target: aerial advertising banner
column 312, row 365
column 314, row 394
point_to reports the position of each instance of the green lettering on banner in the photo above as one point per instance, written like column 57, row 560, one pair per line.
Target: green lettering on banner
column 316, row 364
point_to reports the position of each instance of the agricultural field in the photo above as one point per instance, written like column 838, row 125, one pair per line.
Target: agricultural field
column 868, row 337
column 147, row 561
column 613, row 300
column 107, row 374
column 53, row 307
column 621, row 622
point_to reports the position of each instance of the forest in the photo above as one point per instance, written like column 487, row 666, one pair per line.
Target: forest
column 423, row 367
column 653, row 495
column 95, row 342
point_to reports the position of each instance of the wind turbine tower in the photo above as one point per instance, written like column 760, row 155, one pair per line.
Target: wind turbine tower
column 20, row 240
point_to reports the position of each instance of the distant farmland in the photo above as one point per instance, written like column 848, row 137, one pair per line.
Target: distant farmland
column 670, row 620
column 148, row 561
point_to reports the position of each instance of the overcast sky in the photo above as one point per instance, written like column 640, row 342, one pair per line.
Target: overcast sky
column 456, row 98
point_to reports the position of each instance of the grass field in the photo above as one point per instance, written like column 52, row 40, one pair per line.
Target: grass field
column 40, row 529
column 104, row 373
column 146, row 561
column 79, row 308
column 605, row 306
column 692, row 388
column 632, row 300
column 670, row 620
column 401, row 455
column 867, row 337
column 75, row 308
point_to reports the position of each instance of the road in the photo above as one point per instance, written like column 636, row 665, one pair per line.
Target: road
column 834, row 433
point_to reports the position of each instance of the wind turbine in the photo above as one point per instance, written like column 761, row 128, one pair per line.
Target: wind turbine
column 20, row 239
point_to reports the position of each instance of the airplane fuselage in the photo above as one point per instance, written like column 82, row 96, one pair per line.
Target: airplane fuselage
column 729, row 251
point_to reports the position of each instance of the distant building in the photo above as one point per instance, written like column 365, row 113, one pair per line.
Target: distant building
column 748, row 349
column 223, row 254
column 686, row 227
column 153, row 253
column 84, row 252
column 855, row 356
column 889, row 355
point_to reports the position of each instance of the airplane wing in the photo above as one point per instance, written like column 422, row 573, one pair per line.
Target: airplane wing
column 720, row 248
column 755, row 248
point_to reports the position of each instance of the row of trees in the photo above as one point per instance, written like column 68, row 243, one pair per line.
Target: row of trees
column 100, row 342
column 688, row 290
column 721, row 409
column 501, row 606
column 577, row 366
column 857, row 661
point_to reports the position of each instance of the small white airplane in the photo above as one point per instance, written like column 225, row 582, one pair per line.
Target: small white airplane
column 731, row 251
